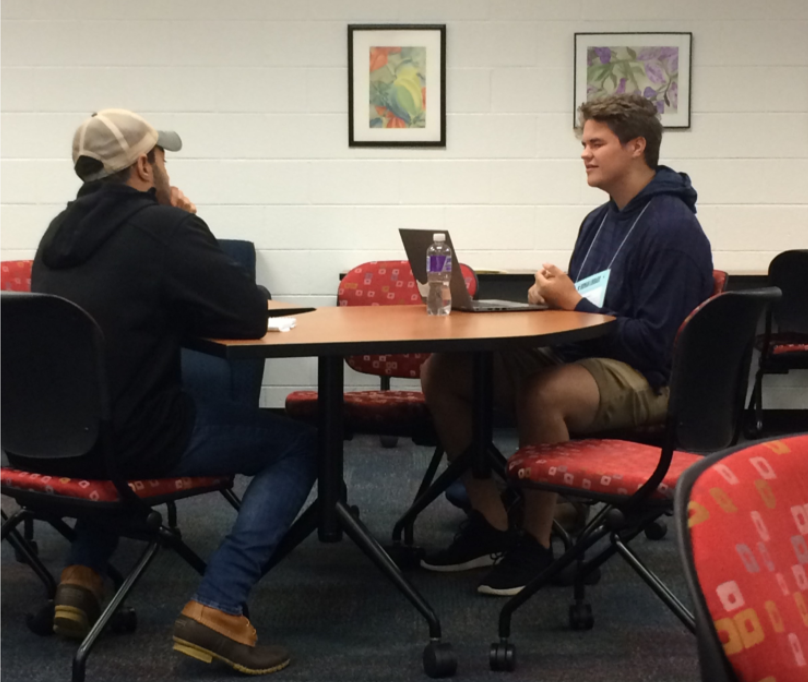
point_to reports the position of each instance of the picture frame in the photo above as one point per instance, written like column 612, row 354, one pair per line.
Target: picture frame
column 394, row 70
column 658, row 65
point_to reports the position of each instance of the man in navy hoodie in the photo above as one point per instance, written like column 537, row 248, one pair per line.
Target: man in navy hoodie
column 641, row 257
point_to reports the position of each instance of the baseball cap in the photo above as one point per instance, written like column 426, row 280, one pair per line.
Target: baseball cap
column 115, row 138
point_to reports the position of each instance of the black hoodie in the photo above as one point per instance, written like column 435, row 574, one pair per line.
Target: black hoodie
column 660, row 274
column 150, row 275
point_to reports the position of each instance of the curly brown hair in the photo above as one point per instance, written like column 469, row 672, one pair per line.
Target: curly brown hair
column 628, row 116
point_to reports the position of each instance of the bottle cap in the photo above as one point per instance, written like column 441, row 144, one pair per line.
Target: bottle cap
column 439, row 237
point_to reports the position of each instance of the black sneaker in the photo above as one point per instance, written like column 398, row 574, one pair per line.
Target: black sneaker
column 516, row 568
column 476, row 545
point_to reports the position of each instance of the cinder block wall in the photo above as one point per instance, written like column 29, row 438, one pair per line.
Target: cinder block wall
column 258, row 91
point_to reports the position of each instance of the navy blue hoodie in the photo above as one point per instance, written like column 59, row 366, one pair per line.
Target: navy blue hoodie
column 660, row 274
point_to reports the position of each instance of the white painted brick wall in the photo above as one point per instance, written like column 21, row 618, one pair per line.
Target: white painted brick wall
column 257, row 88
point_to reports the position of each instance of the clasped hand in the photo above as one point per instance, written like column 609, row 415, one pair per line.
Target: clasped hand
column 554, row 288
column 179, row 200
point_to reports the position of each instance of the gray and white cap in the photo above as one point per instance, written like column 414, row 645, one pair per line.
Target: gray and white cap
column 115, row 138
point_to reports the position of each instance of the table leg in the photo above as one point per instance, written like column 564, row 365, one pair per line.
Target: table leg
column 329, row 462
column 438, row 658
column 481, row 456
column 334, row 515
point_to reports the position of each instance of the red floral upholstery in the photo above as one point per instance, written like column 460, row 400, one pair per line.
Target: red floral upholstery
column 103, row 491
column 784, row 343
column 609, row 467
column 720, row 279
column 387, row 412
column 388, row 283
column 15, row 275
column 403, row 366
column 748, row 521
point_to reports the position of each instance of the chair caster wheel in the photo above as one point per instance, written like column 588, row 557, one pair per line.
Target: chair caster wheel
column 502, row 656
column 388, row 441
column 439, row 660
column 581, row 617
column 656, row 530
column 41, row 622
column 754, row 430
column 124, row 620
column 20, row 557
column 406, row 557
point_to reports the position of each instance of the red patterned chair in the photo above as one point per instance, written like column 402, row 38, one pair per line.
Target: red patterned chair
column 655, row 434
column 55, row 407
column 742, row 517
column 385, row 412
column 15, row 275
column 785, row 348
column 636, row 481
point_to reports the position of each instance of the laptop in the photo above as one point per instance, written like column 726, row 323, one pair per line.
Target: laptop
column 416, row 242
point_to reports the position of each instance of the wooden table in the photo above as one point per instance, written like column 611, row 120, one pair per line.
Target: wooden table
column 332, row 333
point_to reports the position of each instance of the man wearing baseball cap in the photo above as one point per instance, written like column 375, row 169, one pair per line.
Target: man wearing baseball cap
column 131, row 251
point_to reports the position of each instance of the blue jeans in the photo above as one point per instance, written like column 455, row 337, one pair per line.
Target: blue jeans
column 229, row 438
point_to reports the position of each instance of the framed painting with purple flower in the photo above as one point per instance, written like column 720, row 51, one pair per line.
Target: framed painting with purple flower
column 655, row 65
column 397, row 85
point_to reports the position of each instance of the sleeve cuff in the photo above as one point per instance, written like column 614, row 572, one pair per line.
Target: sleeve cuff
column 586, row 306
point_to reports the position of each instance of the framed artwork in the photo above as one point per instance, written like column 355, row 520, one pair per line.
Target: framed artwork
column 396, row 85
column 656, row 65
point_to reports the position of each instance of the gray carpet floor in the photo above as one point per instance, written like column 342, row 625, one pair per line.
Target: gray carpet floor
column 344, row 623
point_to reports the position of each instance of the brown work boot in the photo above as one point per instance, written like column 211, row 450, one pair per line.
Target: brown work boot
column 77, row 603
column 205, row 633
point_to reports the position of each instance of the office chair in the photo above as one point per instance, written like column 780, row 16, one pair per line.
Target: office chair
column 15, row 275
column 786, row 347
column 711, row 361
column 742, row 522
column 55, row 406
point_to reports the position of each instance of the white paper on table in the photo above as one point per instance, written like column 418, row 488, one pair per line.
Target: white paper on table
column 281, row 324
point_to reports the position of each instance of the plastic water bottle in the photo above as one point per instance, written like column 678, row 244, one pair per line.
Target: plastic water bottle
column 439, row 275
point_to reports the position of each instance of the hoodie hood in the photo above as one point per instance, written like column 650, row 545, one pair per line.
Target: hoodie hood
column 666, row 181
column 86, row 224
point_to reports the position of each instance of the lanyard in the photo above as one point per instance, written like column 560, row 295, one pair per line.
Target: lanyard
column 597, row 234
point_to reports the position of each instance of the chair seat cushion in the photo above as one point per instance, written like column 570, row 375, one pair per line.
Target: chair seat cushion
column 609, row 467
column 401, row 413
column 785, row 343
column 403, row 366
column 104, row 491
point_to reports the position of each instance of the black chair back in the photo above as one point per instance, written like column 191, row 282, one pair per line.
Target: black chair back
column 53, row 398
column 711, row 369
column 789, row 273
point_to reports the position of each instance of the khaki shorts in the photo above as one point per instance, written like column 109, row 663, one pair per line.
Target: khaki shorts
column 627, row 400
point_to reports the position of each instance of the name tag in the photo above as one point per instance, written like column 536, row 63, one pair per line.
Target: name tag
column 593, row 288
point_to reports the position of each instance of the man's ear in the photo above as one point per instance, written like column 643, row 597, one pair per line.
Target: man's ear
column 143, row 169
column 637, row 147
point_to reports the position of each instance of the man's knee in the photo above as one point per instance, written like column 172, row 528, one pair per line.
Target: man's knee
column 567, row 391
column 442, row 374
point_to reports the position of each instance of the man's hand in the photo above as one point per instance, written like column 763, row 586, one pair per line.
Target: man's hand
column 179, row 200
column 534, row 297
column 554, row 288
